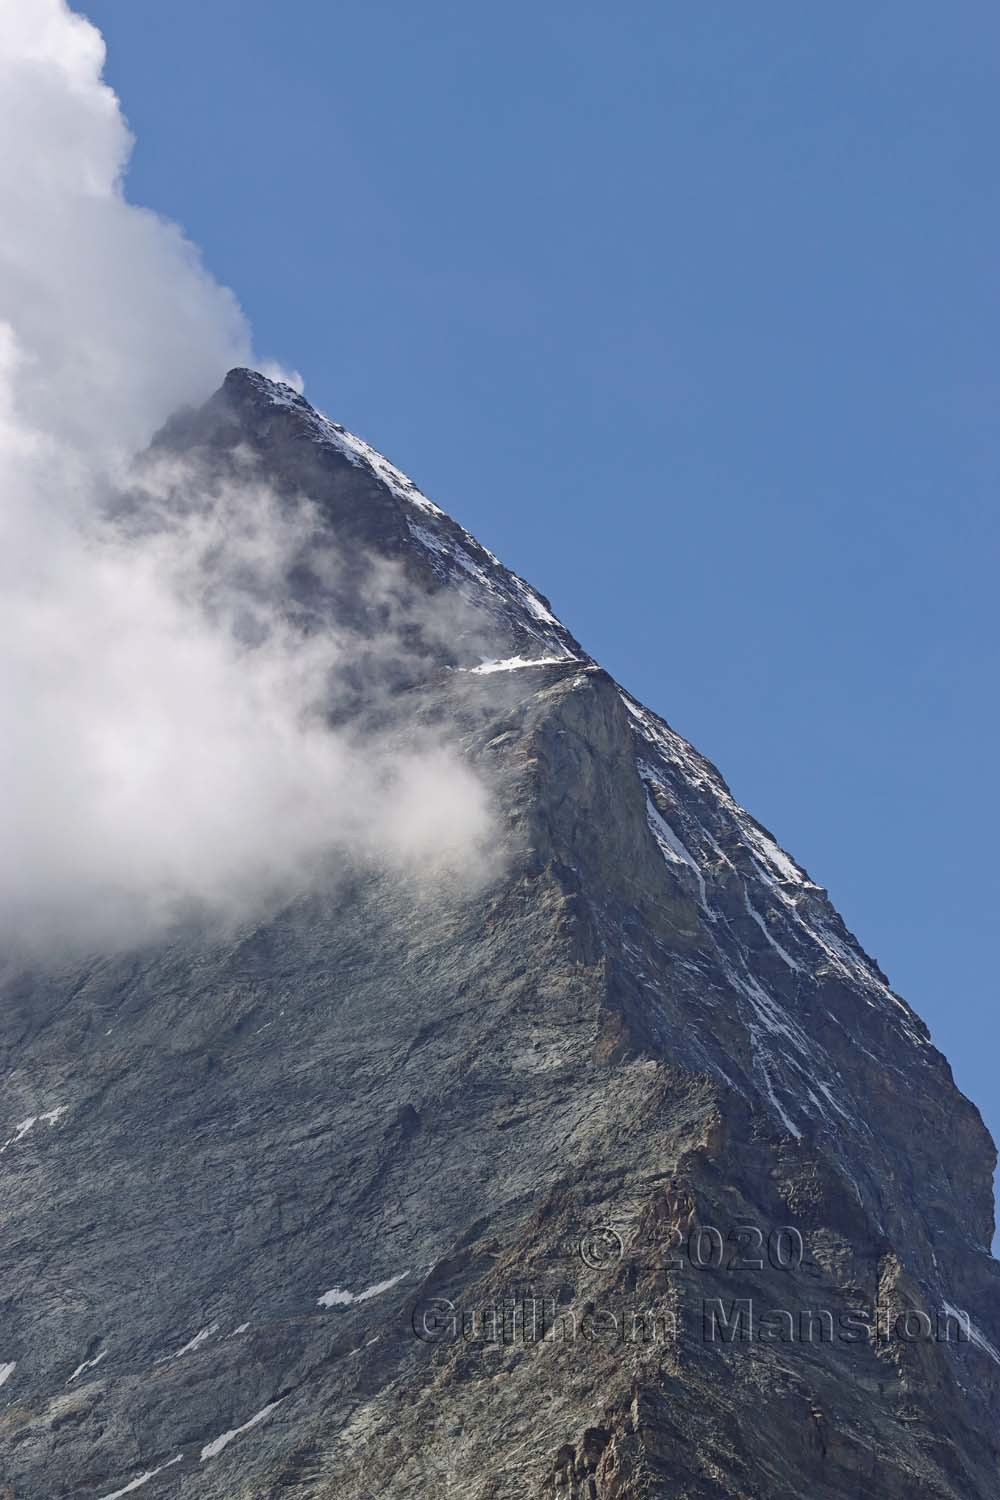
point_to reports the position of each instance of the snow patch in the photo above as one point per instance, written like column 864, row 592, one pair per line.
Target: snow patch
column 776, row 857
column 788, row 1123
column 359, row 453
column 801, row 900
column 513, row 662
column 829, row 1096
column 453, row 552
column 363, row 455
column 504, row 590
column 143, row 1479
column 6, row 1371
column 337, row 1297
column 772, row 940
column 975, row 1335
column 533, row 602
column 88, row 1364
column 215, row 1447
column 200, row 1338
column 673, row 851
column 51, row 1117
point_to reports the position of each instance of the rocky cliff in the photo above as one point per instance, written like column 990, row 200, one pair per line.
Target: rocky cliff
column 619, row 1171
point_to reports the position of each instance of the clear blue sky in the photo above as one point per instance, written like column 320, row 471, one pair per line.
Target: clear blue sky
column 691, row 314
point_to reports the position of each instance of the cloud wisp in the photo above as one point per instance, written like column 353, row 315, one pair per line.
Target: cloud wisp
column 166, row 748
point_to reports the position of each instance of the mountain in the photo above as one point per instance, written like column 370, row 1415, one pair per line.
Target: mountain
column 618, row 1171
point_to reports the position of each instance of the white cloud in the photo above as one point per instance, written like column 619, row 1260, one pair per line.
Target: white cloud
column 165, row 747
column 112, row 306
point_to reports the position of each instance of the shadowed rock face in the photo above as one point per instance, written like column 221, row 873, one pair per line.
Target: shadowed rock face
column 620, row 1174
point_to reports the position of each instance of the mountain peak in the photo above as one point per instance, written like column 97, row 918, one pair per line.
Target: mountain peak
column 642, row 1072
column 366, row 499
column 242, row 383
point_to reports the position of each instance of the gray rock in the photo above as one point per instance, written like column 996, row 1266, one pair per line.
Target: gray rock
column 621, row 1174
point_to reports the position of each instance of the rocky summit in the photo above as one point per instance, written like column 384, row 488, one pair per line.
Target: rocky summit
column 616, row 1171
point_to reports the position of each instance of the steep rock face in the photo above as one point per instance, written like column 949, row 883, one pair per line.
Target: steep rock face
column 622, row 1173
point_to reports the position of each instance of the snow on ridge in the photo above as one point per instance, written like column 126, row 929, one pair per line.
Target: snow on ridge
column 755, row 915
column 510, row 589
column 511, row 664
column 215, row 1447
column 337, row 1297
column 783, row 1054
column 775, row 868
column 361, row 454
column 674, row 852
column 462, row 550
column 703, row 775
column 801, row 900
column 453, row 551
column 142, row 1479
column 533, row 602
column 975, row 1335
column 778, row 1041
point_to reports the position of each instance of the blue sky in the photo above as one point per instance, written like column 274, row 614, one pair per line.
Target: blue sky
column 691, row 314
